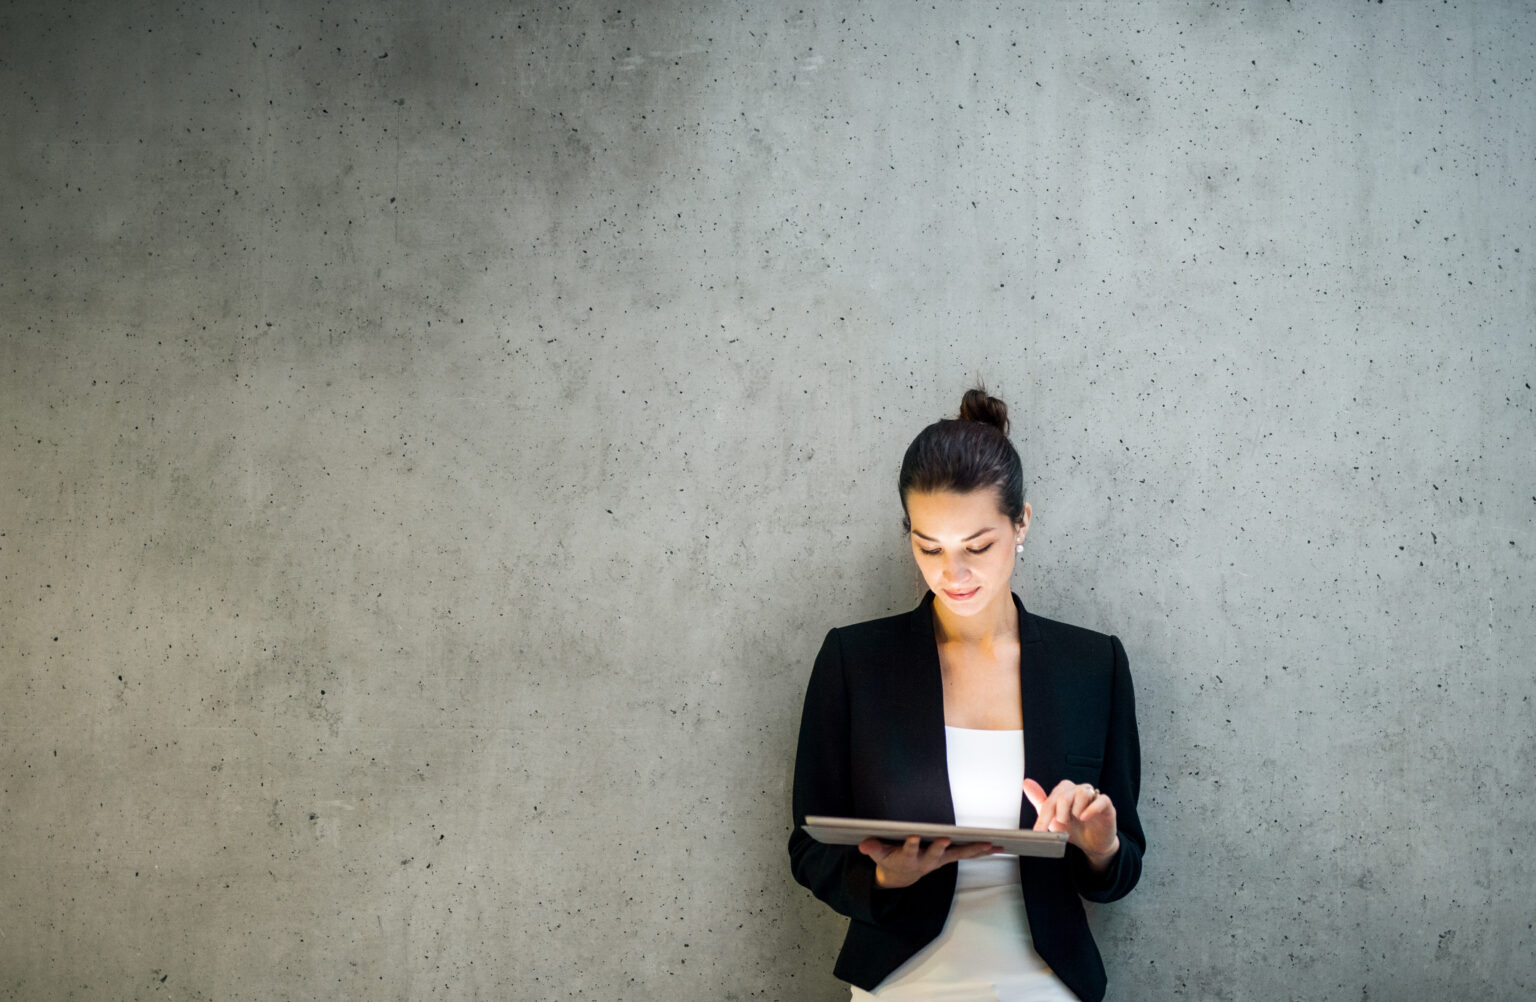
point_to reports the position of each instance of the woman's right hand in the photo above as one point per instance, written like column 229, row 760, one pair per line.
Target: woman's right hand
column 902, row 864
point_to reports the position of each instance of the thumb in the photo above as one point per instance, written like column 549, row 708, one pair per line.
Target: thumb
column 874, row 849
column 1035, row 792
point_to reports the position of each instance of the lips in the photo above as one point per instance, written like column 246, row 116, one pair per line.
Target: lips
column 961, row 596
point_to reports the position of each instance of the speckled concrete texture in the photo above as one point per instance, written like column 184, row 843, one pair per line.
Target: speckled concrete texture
column 436, row 438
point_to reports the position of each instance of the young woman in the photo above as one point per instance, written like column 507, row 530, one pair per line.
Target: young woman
column 969, row 710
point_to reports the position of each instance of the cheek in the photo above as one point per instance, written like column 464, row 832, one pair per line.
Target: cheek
column 930, row 569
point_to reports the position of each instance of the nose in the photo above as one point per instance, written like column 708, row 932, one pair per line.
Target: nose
column 955, row 569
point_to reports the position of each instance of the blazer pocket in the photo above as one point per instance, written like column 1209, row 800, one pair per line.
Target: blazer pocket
column 1084, row 768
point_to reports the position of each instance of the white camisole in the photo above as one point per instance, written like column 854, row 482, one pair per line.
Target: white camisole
column 984, row 953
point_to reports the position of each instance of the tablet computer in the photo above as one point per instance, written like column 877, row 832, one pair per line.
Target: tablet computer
column 1013, row 841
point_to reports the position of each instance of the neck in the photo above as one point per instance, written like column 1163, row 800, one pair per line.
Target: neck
column 997, row 623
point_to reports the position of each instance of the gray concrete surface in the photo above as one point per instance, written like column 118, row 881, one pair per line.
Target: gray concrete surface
column 436, row 438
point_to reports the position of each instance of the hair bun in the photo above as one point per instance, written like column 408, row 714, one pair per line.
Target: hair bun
column 977, row 405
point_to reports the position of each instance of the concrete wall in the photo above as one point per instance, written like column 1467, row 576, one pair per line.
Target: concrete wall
column 436, row 438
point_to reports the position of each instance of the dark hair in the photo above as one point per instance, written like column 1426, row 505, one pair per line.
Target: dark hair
column 967, row 453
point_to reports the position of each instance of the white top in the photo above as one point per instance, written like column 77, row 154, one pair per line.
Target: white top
column 984, row 953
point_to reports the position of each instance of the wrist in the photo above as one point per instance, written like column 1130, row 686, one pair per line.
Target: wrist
column 1100, row 860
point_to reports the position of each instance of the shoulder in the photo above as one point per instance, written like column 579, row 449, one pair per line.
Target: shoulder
column 1075, row 645
column 876, row 630
column 1083, row 674
column 866, row 658
column 878, row 638
column 1056, row 630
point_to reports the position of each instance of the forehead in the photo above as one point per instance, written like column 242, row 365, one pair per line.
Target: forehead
column 938, row 513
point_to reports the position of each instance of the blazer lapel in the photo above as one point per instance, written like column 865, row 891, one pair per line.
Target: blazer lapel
column 930, row 760
column 1042, row 738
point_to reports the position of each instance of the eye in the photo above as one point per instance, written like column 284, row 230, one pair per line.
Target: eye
column 982, row 549
column 931, row 553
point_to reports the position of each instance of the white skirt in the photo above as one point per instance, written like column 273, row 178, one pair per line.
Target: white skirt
column 984, row 953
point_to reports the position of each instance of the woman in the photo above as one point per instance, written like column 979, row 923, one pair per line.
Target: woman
column 938, row 715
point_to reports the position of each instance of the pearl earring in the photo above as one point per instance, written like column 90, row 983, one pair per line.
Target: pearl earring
column 1018, row 548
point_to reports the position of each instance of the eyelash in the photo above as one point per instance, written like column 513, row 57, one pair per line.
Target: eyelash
column 979, row 552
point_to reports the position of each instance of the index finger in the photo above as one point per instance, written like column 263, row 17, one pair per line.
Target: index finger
column 1035, row 792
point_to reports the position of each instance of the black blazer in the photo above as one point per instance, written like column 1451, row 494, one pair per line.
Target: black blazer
column 872, row 746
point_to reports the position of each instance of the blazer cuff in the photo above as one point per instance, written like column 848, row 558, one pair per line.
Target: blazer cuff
column 1116, row 880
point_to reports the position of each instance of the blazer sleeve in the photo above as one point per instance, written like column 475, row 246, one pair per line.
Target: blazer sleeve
column 1121, row 780
column 841, row 876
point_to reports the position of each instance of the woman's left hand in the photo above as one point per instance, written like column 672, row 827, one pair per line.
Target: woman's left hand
column 1085, row 814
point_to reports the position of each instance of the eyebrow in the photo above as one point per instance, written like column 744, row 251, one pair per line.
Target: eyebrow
column 967, row 539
